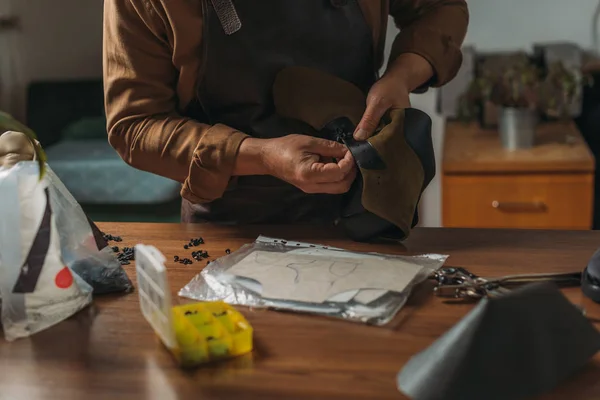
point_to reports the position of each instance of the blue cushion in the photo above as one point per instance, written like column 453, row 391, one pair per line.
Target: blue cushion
column 85, row 129
column 95, row 174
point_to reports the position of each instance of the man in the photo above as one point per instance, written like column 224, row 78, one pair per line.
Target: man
column 188, row 93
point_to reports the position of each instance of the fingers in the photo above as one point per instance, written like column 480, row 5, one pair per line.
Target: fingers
column 375, row 110
column 330, row 178
column 335, row 187
column 326, row 148
column 326, row 172
column 347, row 163
column 319, row 172
column 316, row 169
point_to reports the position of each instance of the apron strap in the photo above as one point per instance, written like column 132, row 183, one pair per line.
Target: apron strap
column 230, row 21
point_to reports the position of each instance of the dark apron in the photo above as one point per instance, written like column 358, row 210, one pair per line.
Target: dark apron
column 236, row 90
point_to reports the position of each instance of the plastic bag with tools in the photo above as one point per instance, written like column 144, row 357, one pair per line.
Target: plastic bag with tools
column 44, row 237
column 303, row 277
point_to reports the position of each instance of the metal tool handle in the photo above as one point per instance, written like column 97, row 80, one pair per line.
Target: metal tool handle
column 478, row 287
column 459, row 291
column 524, row 278
column 533, row 206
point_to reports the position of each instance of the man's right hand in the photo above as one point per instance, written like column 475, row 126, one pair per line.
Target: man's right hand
column 313, row 165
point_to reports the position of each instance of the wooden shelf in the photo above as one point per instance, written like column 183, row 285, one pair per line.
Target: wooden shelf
column 549, row 186
column 559, row 148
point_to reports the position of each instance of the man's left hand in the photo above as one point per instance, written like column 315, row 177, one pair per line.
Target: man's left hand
column 392, row 91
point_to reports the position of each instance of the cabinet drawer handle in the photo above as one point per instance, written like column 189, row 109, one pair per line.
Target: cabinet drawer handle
column 533, row 206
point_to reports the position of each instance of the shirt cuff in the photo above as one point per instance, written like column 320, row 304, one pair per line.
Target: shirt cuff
column 212, row 164
column 438, row 49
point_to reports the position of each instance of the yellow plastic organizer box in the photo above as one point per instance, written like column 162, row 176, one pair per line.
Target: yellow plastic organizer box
column 210, row 331
column 196, row 333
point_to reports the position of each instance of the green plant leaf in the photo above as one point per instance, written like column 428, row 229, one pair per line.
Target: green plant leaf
column 8, row 123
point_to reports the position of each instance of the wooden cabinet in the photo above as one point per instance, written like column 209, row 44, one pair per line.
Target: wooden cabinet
column 550, row 186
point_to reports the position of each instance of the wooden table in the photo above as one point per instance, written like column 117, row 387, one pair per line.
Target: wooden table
column 550, row 186
column 110, row 352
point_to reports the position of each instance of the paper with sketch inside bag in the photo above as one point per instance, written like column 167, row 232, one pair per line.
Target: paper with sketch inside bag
column 311, row 278
column 362, row 296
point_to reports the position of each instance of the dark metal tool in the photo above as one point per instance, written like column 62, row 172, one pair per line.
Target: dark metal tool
column 461, row 283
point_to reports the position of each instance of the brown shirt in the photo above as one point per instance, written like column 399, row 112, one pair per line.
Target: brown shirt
column 151, row 63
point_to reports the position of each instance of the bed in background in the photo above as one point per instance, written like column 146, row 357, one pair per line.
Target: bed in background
column 69, row 120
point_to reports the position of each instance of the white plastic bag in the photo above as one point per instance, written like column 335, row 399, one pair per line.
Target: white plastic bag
column 83, row 246
column 37, row 288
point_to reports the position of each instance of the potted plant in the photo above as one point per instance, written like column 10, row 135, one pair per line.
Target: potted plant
column 522, row 93
column 558, row 90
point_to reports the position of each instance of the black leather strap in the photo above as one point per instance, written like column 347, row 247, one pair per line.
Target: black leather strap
column 417, row 131
column 364, row 153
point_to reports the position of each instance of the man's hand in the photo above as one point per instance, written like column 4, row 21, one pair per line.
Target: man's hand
column 392, row 91
column 306, row 162
column 309, row 163
column 386, row 94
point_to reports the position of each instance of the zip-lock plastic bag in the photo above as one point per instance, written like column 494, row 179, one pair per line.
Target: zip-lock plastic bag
column 44, row 238
column 37, row 289
column 83, row 246
column 279, row 274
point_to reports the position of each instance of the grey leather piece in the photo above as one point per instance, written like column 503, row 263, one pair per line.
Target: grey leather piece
column 590, row 278
column 516, row 346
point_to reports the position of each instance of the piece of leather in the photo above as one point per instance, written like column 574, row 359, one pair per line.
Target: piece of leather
column 417, row 132
column 365, row 155
column 590, row 286
column 316, row 97
column 276, row 34
column 516, row 346
column 396, row 164
column 590, row 278
column 393, row 194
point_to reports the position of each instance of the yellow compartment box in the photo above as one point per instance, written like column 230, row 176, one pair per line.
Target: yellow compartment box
column 210, row 331
column 196, row 333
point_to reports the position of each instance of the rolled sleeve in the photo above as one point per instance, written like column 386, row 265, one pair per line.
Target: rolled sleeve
column 212, row 164
column 433, row 29
column 144, row 125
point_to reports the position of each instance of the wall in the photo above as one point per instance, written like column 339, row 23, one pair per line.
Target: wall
column 59, row 40
column 499, row 25
column 519, row 23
